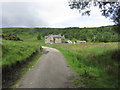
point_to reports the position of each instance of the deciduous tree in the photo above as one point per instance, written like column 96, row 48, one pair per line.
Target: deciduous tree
column 109, row 8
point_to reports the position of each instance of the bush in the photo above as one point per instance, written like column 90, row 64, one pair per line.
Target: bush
column 9, row 36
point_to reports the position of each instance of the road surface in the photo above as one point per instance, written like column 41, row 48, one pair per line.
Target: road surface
column 51, row 71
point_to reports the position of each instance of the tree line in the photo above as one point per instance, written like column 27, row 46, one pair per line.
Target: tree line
column 99, row 34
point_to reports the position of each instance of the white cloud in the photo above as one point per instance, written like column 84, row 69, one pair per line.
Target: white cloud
column 49, row 13
column 56, row 11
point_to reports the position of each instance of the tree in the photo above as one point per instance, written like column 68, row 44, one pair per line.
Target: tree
column 109, row 8
column 39, row 37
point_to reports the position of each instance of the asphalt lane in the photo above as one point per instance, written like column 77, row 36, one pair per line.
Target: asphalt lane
column 51, row 71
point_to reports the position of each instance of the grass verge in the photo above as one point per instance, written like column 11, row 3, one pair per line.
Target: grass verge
column 96, row 63
column 13, row 51
column 27, row 68
column 15, row 73
column 17, row 58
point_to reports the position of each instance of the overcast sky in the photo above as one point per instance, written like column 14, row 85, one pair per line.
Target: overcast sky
column 47, row 13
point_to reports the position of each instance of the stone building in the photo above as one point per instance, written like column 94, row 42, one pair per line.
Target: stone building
column 54, row 39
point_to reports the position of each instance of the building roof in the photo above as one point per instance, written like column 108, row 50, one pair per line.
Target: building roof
column 59, row 36
column 55, row 36
column 46, row 36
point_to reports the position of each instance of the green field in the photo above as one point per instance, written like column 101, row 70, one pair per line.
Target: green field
column 96, row 63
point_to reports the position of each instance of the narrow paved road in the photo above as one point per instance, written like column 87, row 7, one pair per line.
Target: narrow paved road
column 51, row 71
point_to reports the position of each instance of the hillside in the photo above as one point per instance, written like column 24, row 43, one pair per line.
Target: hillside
column 100, row 34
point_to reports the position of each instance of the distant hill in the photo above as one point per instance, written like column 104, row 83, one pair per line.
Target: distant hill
column 99, row 34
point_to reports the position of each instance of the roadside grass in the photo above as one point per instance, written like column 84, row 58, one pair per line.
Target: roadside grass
column 13, row 51
column 17, row 58
column 0, row 50
column 24, row 70
column 96, row 63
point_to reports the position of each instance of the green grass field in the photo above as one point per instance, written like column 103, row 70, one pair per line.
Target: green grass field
column 96, row 63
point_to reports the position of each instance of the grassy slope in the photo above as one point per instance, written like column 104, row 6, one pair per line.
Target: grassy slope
column 13, row 51
column 24, row 70
column 95, row 63
column 17, row 51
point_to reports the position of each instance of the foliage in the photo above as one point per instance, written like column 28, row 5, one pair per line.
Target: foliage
column 39, row 37
column 10, row 36
column 100, row 34
column 108, row 8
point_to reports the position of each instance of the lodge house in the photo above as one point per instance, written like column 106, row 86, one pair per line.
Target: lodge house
column 54, row 39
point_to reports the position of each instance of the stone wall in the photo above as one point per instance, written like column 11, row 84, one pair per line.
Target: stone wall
column 58, row 40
